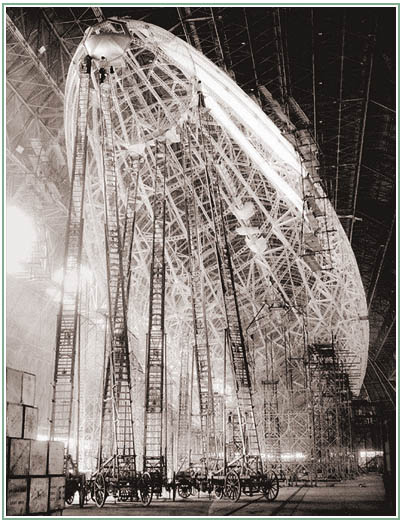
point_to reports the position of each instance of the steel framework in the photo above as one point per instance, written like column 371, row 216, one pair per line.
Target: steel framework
column 259, row 193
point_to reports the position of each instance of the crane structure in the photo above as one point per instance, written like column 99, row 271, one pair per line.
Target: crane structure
column 228, row 218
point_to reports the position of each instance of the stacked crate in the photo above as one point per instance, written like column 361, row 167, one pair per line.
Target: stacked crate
column 35, row 469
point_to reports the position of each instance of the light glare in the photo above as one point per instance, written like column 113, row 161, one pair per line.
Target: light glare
column 21, row 236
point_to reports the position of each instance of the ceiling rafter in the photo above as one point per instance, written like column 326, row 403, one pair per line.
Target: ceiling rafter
column 32, row 55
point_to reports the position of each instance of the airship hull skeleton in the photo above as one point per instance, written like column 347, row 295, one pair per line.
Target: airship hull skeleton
column 266, row 235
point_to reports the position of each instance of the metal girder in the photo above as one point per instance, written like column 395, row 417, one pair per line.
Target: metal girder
column 362, row 138
column 30, row 52
column 98, row 13
column 55, row 32
column 384, row 332
column 32, row 111
column 373, row 287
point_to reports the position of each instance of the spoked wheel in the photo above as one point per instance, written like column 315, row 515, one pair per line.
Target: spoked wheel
column 184, row 490
column 70, row 499
column 146, row 490
column 232, row 485
column 270, row 486
column 218, row 490
column 100, row 490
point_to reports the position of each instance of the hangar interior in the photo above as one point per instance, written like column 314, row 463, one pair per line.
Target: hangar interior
column 200, row 260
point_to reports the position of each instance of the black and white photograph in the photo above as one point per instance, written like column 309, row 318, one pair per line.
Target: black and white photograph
column 200, row 284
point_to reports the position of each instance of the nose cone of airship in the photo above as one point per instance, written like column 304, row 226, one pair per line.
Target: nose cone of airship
column 107, row 46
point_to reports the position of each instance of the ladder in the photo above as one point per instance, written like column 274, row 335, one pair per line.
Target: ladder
column 118, row 379
column 67, row 318
column 155, row 350
column 271, row 421
column 184, row 414
column 201, row 343
column 236, row 342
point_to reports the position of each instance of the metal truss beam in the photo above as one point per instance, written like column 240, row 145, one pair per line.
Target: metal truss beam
column 32, row 55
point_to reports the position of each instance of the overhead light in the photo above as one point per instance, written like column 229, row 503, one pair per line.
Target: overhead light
column 19, row 149
column 42, row 49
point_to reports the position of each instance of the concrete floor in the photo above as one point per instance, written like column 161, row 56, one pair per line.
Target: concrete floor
column 363, row 496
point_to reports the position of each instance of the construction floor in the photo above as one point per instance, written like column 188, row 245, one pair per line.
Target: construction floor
column 363, row 496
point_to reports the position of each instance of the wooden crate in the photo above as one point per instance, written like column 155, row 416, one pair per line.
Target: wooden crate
column 13, row 385
column 16, row 497
column 56, row 458
column 18, row 457
column 38, row 495
column 28, row 389
column 15, row 420
column 57, row 492
column 38, row 458
column 30, row 422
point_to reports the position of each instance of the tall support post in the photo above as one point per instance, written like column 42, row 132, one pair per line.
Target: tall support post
column 154, row 461
column 236, row 341
column 67, row 319
column 200, row 331
column 118, row 378
column 271, row 409
column 183, row 443
column 224, row 404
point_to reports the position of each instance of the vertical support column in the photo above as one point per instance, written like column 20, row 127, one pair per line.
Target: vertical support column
column 118, row 378
column 155, row 351
column 236, row 342
column 68, row 314
column 201, row 342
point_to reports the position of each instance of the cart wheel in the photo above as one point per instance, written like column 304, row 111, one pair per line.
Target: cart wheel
column 184, row 490
column 232, row 485
column 146, row 489
column 270, row 486
column 218, row 491
column 70, row 500
column 100, row 490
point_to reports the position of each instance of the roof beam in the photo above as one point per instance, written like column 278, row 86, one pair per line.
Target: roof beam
column 55, row 32
column 32, row 55
column 33, row 113
column 340, row 101
column 362, row 137
column 383, row 334
column 379, row 270
column 383, row 381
